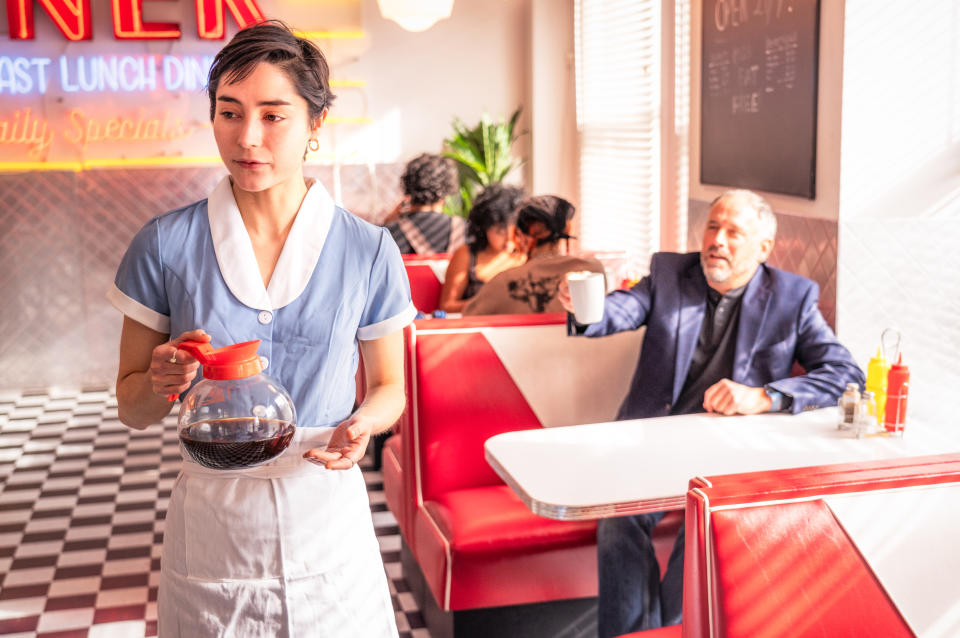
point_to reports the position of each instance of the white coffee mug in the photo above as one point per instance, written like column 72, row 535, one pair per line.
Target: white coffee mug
column 587, row 292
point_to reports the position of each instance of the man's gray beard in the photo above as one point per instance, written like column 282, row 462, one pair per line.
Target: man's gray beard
column 713, row 279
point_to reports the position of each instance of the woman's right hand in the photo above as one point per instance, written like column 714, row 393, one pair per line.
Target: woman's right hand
column 171, row 369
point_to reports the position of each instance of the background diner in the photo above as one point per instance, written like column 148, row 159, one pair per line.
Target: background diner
column 607, row 105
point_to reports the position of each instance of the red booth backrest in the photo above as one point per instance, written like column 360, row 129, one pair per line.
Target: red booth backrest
column 426, row 280
column 476, row 377
column 466, row 398
column 790, row 552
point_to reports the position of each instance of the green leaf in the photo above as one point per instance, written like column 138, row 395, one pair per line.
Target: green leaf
column 483, row 154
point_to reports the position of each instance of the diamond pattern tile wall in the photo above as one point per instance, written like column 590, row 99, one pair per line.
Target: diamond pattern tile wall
column 903, row 274
column 62, row 235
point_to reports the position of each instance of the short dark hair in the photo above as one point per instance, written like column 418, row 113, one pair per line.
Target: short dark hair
column 551, row 211
column 495, row 206
column 273, row 42
column 428, row 179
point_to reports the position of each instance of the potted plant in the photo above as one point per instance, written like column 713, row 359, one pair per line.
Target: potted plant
column 483, row 155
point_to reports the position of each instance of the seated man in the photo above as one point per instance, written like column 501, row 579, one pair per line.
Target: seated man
column 542, row 224
column 723, row 331
column 418, row 223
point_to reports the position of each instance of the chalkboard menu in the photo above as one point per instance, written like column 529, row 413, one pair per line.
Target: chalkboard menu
column 759, row 95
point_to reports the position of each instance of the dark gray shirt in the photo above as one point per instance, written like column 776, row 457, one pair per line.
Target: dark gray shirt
column 716, row 347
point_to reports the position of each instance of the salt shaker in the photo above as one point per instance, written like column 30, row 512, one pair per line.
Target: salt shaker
column 848, row 405
column 866, row 414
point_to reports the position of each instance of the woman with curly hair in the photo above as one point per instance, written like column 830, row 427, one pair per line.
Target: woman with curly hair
column 418, row 223
column 543, row 227
column 489, row 248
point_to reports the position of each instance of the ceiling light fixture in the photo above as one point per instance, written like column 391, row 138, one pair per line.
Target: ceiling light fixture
column 415, row 15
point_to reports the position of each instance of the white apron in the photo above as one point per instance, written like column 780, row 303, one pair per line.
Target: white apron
column 286, row 549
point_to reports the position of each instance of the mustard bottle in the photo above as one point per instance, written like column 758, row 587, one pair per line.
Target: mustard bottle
column 877, row 370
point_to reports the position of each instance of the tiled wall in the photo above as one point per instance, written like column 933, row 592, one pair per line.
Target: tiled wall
column 903, row 274
column 62, row 235
column 805, row 246
column 900, row 192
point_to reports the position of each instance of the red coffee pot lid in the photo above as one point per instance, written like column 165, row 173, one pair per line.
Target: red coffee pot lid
column 237, row 361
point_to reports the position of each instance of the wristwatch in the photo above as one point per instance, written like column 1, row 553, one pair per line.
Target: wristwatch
column 779, row 402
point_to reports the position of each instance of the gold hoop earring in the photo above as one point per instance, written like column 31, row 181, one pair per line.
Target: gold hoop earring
column 313, row 145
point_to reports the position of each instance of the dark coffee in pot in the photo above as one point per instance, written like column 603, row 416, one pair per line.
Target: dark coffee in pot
column 235, row 444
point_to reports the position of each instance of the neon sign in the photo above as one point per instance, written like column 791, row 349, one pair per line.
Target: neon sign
column 85, row 130
column 74, row 19
column 132, row 103
column 104, row 73
column 37, row 134
column 25, row 128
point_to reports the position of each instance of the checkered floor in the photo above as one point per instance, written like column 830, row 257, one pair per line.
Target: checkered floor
column 82, row 502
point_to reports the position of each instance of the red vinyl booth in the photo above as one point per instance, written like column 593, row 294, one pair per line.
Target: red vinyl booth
column 838, row 550
column 425, row 274
column 475, row 543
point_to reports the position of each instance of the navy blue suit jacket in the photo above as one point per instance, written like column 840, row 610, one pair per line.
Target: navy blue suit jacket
column 779, row 324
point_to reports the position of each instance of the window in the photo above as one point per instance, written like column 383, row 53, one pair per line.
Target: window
column 628, row 131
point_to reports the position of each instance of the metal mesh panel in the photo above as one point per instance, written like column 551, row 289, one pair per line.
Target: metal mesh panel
column 40, row 275
column 900, row 273
column 62, row 236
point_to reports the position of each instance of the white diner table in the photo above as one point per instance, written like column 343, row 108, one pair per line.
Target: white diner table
column 629, row 467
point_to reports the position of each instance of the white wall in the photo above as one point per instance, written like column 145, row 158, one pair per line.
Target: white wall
column 490, row 56
column 475, row 62
column 554, row 158
column 901, row 108
column 900, row 190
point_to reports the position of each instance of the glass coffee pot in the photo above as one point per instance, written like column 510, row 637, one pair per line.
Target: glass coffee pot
column 236, row 417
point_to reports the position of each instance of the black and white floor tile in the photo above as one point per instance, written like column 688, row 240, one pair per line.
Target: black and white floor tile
column 82, row 503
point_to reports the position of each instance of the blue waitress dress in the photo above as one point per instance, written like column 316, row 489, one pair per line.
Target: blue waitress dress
column 287, row 548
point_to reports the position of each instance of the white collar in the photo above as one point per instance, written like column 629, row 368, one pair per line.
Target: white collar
column 297, row 261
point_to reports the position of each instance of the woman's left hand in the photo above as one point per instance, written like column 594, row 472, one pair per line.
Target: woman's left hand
column 347, row 445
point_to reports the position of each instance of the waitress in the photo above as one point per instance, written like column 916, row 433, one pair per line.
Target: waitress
column 286, row 549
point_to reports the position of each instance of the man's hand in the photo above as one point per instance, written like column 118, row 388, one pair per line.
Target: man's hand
column 563, row 294
column 729, row 398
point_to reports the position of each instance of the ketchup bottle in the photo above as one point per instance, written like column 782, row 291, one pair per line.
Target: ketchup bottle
column 898, row 385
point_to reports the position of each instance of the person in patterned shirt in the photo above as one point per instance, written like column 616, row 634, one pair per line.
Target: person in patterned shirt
column 418, row 223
